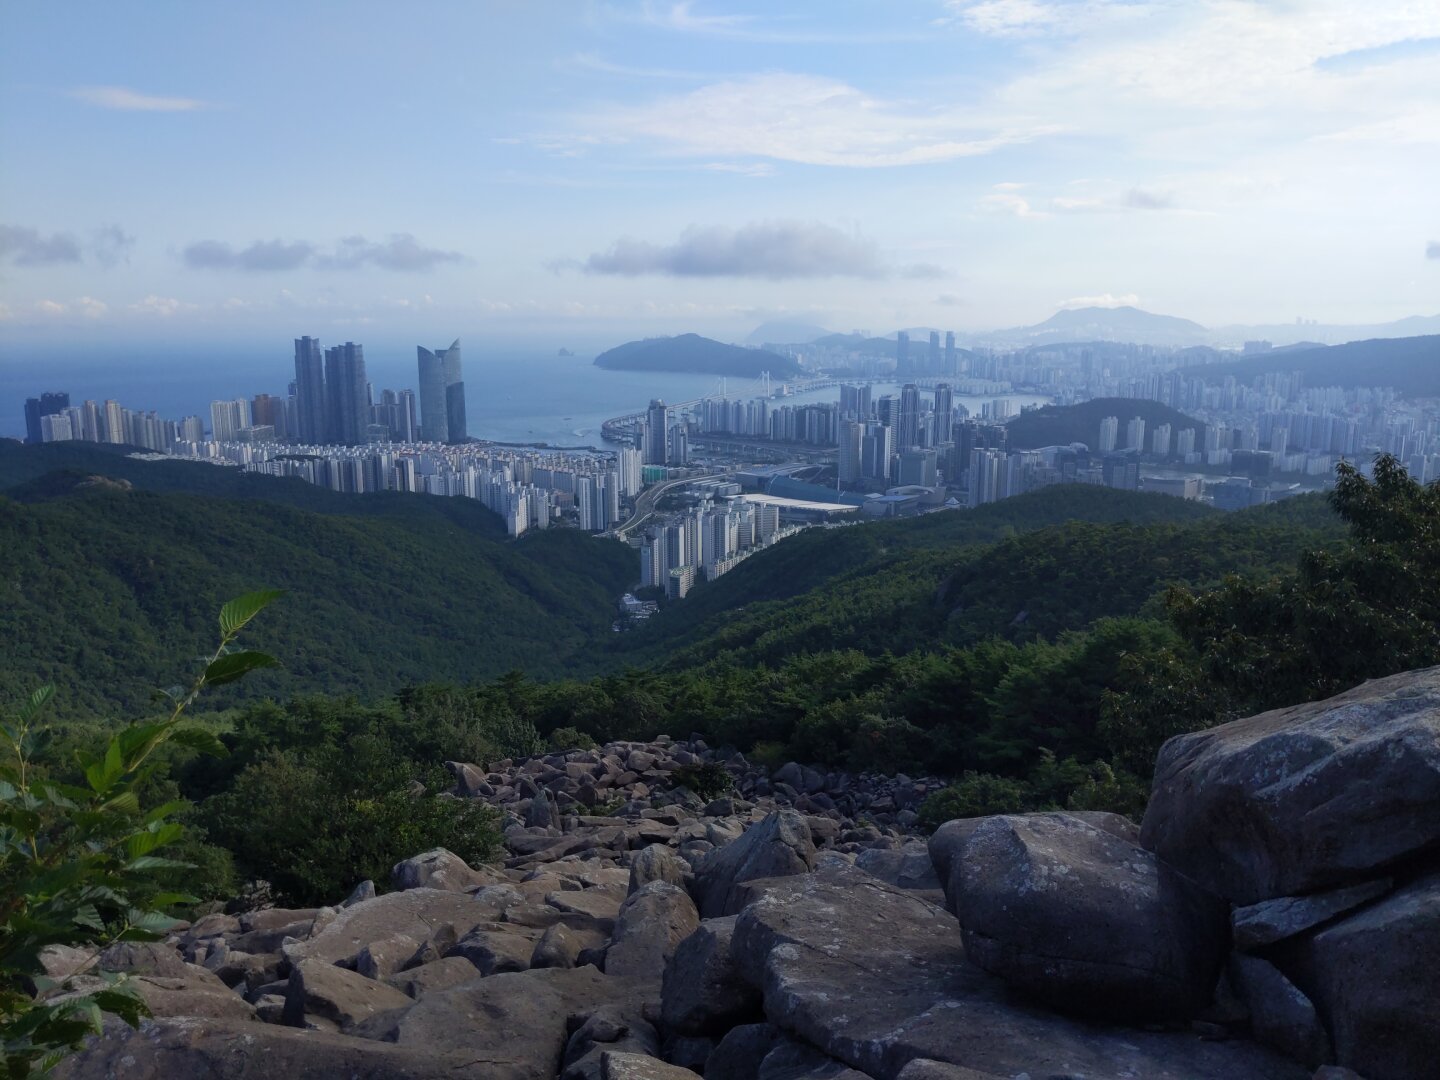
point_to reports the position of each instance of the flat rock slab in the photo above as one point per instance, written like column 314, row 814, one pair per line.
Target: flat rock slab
column 876, row 977
column 1274, row 920
column 415, row 913
column 227, row 1050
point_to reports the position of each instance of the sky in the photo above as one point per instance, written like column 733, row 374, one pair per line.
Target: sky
column 592, row 172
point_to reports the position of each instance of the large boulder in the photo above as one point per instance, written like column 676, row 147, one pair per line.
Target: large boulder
column 440, row 869
column 422, row 914
column 1085, row 920
column 874, row 976
column 1375, row 977
column 776, row 847
column 651, row 924
column 512, row 1026
column 318, row 990
column 657, row 863
column 1280, row 1015
column 1304, row 798
column 1269, row 921
column 703, row 992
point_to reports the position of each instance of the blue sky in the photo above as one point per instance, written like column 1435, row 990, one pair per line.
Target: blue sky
column 600, row 171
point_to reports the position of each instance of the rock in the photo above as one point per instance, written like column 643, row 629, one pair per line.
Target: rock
column 362, row 892
column 491, row 949
column 438, row 975
column 609, row 1029
column 925, row 1069
column 143, row 958
column 689, row 1051
column 600, row 906
column 657, row 863
column 61, row 962
column 1274, row 920
column 778, row 846
column 334, row 994
column 741, row 1051
column 790, row 1060
column 617, row 1066
column 1084, row 920
column 511, row 1026
column 418, row 913
column 230, row 1050
column 1304, row 798
column 1280, row 1015
column 908, row 868
column 651, row 924
column 558, row 947
column 270, row 1009
column 1375, row 978
column 899, row 988
column 382, row 958
column 196, row 993
column 703, row 992
column 246, row 970
column 439, row 869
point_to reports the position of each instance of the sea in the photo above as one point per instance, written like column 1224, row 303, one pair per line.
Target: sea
column 511, row 395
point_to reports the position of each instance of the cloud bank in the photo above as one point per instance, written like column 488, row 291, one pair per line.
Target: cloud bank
column 21, row 245
column 127, row 100
column 401, row 252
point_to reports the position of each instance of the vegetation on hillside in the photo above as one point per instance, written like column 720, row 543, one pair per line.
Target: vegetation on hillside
column 693, row 353
column 1410, row 365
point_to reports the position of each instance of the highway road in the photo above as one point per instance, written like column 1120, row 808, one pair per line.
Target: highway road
column 646, row 500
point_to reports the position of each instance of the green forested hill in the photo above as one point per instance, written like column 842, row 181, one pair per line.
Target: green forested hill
column 110, row 593
column 1060, row 425
column 1410, row 365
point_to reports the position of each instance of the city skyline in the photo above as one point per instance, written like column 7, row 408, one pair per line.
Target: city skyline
column 660, row 167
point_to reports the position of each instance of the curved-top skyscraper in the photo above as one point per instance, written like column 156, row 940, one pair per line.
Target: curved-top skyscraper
column 442, row 394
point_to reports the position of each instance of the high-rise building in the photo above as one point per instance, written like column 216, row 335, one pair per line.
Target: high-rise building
column 852, row 433
column 933, row 359
column 902, row 353
column 309, row 391
column 47, row 404
column 1185, row 442
column 1160, row 441
column 268, row 410
column 944, row 412
column 114, row 422
column 228, row 418
column 1109, row 431
column 347, row 395
column 657, row 433
column 950, row 355
column 917, row 467
column 628, row 463
column 985, row 469
column 1135, row 434
column 442, row 394
column 908, row 427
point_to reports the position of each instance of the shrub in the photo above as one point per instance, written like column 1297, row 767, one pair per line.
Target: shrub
column 81, row 864
column 569, row 738
column 708, row 780
column 974, row 795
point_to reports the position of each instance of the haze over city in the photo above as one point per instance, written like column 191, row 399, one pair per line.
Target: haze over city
column 587, row 173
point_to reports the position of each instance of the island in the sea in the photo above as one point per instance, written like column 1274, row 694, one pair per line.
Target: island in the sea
column 692, row 353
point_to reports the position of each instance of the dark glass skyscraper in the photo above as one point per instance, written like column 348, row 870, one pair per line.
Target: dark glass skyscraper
column 48, row 404
column 347, row 395
column 442, row 394
column 309, row 391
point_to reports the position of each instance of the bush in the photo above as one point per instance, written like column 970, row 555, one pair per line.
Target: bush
column 569, row 738
column 974, row 795
column 709, row 780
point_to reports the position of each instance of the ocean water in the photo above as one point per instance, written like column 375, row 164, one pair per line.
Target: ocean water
column 510, row 395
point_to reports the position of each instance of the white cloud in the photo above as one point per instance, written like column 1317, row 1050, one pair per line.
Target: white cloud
column 771, row 249
column 1007, row 202
column 162, row 306
column 125, row 99
column 800, row 118
column 1103, row 300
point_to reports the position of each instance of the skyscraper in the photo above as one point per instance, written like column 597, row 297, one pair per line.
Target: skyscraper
column 908, row 429
column 309, row 391
column 933, row 359
column 902, row 353
column 47, row 404
column 1109, row 429
column 657, row 433
column 1135, row 434
column 950, row 368
column 347, row 398
column 442, row 394
column 852, row 432
column 944, row 412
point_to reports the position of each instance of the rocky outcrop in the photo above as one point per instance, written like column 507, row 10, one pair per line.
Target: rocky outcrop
column 637, row 929
column 1085, row 920
column 1305, row 798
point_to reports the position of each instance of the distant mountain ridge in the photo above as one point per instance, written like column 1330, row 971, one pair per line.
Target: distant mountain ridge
column 785, row 333
column 1409, row 365
column 1060, row 425
column 695, row 354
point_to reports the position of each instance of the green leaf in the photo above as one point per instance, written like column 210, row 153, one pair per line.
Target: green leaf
column 37, row 702
column 235, row 665
column 200, row 740
column 156, row 862
column 235, row 614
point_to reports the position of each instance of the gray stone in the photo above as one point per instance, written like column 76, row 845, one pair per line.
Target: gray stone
column 1086, row 921
column 924, row 1069
column 512, row 1026
column 875, row 976
column 703, row 992
column 1274, row 920
column 741, row 1051
column 438, row 975
column 657, row 863
column 609, row 1029
column 439, row 869
column 195, row 993
column 558, row 947
column 358, row 895
column 1375, row 978
column 143, row 958
column 1304, row 798
column 778, row 846
column 418, row 913
column 790, row 1060
column 650, row 926
column 493, row 948
column 1280, row 1015
column 318, row 989
column 618, row 1066
column 385, row 956
column 908, row 868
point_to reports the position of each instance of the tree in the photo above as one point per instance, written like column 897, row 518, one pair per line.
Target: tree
column 80, row 865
